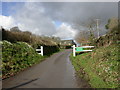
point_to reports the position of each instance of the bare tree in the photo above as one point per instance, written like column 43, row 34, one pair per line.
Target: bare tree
column 87, row 36
column 82, row 37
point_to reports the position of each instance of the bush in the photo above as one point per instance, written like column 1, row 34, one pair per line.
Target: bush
column 15, row 36
column 48, row 50
column 111, row 37
column 17, row 57
column 28, row 37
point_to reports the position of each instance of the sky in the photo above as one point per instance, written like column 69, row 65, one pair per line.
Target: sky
column 60, row 19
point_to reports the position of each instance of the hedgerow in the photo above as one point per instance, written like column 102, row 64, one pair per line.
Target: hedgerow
column 16, row 57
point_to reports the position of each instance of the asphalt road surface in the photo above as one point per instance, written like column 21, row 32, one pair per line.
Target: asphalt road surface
column 55, row 72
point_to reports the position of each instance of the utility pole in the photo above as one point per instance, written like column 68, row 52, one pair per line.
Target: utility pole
column 97, row 26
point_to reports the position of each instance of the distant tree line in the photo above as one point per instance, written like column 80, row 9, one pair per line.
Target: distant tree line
column 15, row 35
column 89, row 36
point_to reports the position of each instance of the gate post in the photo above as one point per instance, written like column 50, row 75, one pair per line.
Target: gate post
column 74, row 50
column 42, row 50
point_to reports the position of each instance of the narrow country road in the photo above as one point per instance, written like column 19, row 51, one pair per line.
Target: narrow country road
column 55, row 72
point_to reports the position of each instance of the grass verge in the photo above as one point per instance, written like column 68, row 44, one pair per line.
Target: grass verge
column 99, row 67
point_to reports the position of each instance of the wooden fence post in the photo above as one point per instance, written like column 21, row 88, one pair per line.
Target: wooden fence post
column 42, row 50
column 74, row 50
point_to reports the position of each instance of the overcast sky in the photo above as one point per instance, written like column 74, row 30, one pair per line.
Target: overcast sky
column 61, row 19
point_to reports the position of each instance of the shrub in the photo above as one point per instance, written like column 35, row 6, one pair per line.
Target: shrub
column 28, row 37
column 17, row 57
column 48, row 50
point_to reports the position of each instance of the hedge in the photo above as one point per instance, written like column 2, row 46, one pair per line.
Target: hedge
column 48, row 50
column 17, row 57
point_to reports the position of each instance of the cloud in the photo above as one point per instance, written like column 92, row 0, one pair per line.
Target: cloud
column 40, row 18
column 79, row 12
column 31, row 17
column 65, row 31
column 7, row 21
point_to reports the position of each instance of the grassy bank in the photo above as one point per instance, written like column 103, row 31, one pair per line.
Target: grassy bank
column 99, row 67
column 17, row 57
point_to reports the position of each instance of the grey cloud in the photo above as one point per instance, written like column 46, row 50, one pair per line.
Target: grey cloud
column 79, row 12
column 38, row 16
column 31, row 17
